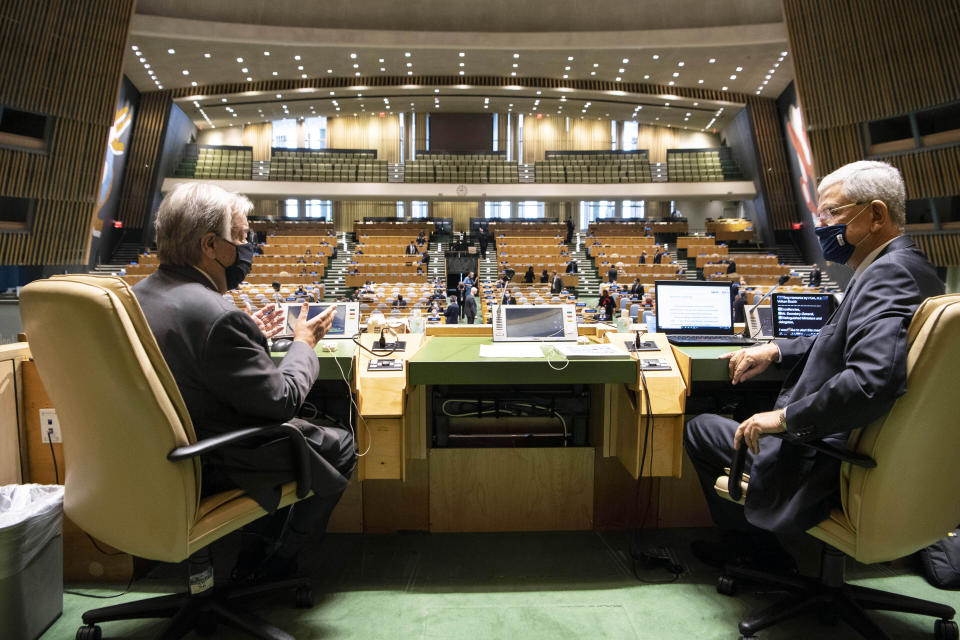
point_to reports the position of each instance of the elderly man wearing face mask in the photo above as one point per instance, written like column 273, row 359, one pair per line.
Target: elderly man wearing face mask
column 219, row 358
column 844, row 378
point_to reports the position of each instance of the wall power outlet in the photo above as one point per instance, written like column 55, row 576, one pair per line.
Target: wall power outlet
column 48, row 420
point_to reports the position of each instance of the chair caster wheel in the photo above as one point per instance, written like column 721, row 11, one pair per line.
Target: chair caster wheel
column 92, row 632
column 726, row 586
column 945, row 630
column 303, row 598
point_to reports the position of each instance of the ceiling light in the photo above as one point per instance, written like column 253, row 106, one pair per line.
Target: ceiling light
column 516, row 55
column 244, row 70
column 570, row 58
column 646, row 77
column 249, row 79
column 733, row 77
column 462, row 54
column 461, row 73
column 771, row 70
column 765, row 81
column 275, row 73
column 699, row 81
column 593, row 73
column 356, row 66
column 461, row 64
column 303, row 75
column 681, row 63
column 565, row 76
column 329, row 70
column 676, row 74
column 671, row 83
column 656, row 57
column 515, row 65
column 146, row 66
column 768, row 76
column 436, row 90
column 357, row 73
column 278, row 97
column 406, row 54
column 296, row 57
column 723, row 88
column 160, row 86
column 382, row 69
column 206, row 55
column 143, row 59
column 539, row 92
column 409, row 73
column 171, row 51
column 620, row 70
column 134, row 47
column 185, row 72
column 240, row 60
column 513, row 73
column 739, row 69
column 300, row 68
column 776, row 64
column 783, row 53
column 266, row 53
column 625, row 61
column 353, row 56
column 712, row 60
column 193, row 84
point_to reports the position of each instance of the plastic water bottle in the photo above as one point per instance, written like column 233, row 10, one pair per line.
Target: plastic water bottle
column 416, row 321
column 623, row 322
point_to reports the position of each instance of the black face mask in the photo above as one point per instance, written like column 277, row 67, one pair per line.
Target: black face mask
column 238, row 271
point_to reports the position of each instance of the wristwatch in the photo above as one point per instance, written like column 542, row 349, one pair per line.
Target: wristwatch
column 783, row 419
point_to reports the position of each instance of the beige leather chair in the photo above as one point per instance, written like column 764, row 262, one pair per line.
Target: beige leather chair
column 900, row 490
column 132, row 467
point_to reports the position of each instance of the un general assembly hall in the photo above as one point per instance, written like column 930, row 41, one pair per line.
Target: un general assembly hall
column 440, row 319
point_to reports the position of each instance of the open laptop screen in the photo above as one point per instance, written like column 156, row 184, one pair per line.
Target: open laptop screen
column 800, row 314
column 694, row 307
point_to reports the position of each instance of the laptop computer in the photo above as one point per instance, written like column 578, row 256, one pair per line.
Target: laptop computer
column 697, row 313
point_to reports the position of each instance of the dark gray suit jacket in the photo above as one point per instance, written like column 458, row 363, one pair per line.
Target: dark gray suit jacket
column 228, row 381
column 843, row 379
column 470, row 306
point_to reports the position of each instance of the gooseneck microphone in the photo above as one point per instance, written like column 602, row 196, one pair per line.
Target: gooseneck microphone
column 783, row 280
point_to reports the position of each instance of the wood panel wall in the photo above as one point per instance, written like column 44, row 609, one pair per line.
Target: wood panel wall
column 63, row 59
column 942, row 249
column 774, row 172
column 146, row 141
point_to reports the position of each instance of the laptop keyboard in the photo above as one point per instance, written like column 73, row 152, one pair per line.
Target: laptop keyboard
column 710, row 340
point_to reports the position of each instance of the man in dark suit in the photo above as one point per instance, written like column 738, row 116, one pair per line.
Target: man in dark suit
column 569, row 230
column 483, row 243
column 612, row 274
column 556, row 286
column 731, row 266
column 739, row 306
column 219, row 358
column 572, row 266
column 658, row 256
column 470, row 304
column 845, row 378
column 815, row 276
column 636, row 289
column 452, row 314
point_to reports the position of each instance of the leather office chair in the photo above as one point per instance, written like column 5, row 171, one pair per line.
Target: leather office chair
column 899, row 483
column 132, row 468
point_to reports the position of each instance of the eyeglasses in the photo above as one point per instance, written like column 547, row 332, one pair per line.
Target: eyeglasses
column 828, row 215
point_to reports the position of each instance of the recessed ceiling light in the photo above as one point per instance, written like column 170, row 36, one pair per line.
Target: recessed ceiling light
column 303, row 75
column 513, row 73
column 461, row 64
column 516, row 55
column 278, row 96
column 566, row 68
column 619, row 79
column 266, row 53
column 353, row 56
column 699, row 81
column 712, row 60
column 733, row 77
column 656, row 57
column 436, row 90
column 462, row 54
column 249, row 79
column 244, row 70
column 620, row 70
column 765, row 81
column 193, row 84
column 206, row 55
column 171, row 51
column 134, row 47
column 646, row 77
column 382, row 69
column 739, row 69
column 409, row 73
column 329, row 70
column 406, row 54
column 185, row 72
column 461, row 73
column 696, row 104
column 783, row 53
column 593, row 73
column 676, row 74
column 515, row 65
column 723, row 88
column 565, row 76
column 300, row 68
column 681, row 63
column 357, row 73
column 625, row 61
column 146, row 66
column 776, row 64
column 143, row 59
column 275, row 73
column 671, row 83
column 570, row 58
column 240, row 60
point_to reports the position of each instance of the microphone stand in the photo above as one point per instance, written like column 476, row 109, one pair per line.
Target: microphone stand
column 783, row 280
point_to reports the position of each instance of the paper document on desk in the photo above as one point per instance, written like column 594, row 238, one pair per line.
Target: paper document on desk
column 511, row 350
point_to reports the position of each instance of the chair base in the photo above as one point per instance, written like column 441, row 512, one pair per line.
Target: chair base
column 830, row 598
column 202, row 612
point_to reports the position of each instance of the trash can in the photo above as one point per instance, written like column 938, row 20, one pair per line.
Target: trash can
column 31, row 559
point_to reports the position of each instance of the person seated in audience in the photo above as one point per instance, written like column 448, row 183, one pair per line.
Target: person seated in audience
column 354, row 270
column 731, row 266
column 435, row 309
column 201, row 235
column 399, row 301
column 421, row 239
column 425, row 259
column 529, row 276
column 307, row 254
column 452, row 314
column 300, row 260
column 419, row 270
column 636, row 289
column 358, row 252
column 509, row 298
column 607, row 304
column 643, row 257
column 648, row 302
column 300, row 292
column 544, row 277
column 412, row 249
column 572, row 266
column 840, row 380
column 303, row 271
column 556, row 284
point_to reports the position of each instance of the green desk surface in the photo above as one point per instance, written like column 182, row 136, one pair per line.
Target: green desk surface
column 343, row 356
column 706, row 365
column 455, row 360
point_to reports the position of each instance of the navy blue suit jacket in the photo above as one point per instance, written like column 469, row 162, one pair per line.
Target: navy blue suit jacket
column 843, row 379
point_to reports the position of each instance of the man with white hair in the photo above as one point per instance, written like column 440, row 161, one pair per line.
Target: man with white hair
column 843, row 379
column 219, row 358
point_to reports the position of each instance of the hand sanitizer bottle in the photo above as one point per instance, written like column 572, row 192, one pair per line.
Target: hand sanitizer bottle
column 623, row 322
column 416, row 321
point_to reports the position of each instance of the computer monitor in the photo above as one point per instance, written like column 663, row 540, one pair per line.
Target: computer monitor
column 346, row 321
column 543, row 322
column 800, row 314
column 694, row 307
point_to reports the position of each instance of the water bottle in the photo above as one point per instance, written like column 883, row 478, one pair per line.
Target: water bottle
column 416, row 321
column 623, row 322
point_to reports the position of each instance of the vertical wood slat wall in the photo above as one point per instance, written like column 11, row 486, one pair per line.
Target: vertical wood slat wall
column 774, row 173
column 862, row 60
column 63, row 59
column 146, row 141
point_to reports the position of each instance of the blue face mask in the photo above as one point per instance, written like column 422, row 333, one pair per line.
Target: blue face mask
column 834, row 243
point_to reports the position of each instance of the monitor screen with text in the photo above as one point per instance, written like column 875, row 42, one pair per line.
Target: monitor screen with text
column 800, row 314
column 695, row 307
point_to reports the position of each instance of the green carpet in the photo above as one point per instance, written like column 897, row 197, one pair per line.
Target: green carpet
column 554, row 586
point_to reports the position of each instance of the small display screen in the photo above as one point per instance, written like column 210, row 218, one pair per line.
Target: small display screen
column 800, row 314
column 337, row 329
column 535, row 323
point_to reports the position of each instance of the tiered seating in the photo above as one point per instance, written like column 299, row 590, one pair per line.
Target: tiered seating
column 380, row 253
column 327, row 165
column 731, row 229
column 216, row 163
column 532, row 244
column 379, row 297
column 489, row 295
column 270, row 226
column 594, row 166
column 702, row 165
column 463, row 167
column 621, row 245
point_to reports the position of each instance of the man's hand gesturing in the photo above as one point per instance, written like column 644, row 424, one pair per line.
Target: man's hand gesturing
column 312, row 331
column 269, row 319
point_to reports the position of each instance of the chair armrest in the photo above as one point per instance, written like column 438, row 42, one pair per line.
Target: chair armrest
column 300, row 450
column 841, row 454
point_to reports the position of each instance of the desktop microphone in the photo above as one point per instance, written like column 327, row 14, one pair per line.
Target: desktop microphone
column 782, row 281
column 382, row 341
